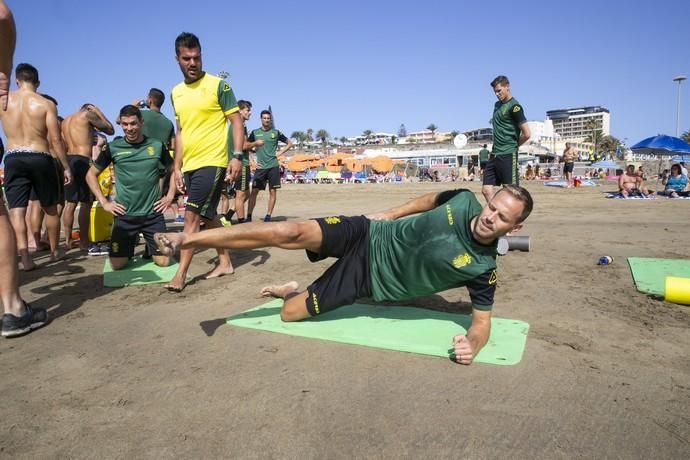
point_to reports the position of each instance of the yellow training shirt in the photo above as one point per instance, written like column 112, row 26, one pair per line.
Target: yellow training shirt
column 201, row 109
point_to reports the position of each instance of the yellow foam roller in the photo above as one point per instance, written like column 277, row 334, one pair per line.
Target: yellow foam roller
column 677, row 290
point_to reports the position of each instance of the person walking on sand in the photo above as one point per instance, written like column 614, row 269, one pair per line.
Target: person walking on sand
column 203, row 105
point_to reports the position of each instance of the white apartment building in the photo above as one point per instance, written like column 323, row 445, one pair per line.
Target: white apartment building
column 575, row 123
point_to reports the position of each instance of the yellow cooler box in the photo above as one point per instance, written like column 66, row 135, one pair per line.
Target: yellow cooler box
column 101, row 223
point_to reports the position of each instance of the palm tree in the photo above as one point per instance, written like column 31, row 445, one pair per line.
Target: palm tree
column 310, row 135
column 452, row 136
column 686, row 136
column 298, row 136
column 323, row 136
column 609, row 145
column 432, row 127
column 343, row 140
column 596, row 134
column 367, row 134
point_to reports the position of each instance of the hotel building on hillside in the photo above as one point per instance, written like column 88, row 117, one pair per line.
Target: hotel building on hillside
column 575, row 123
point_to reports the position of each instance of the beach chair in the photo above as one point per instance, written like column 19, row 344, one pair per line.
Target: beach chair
column 322, row 177
column 360, row 177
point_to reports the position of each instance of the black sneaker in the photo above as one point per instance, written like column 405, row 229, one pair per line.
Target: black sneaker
column 33, row 318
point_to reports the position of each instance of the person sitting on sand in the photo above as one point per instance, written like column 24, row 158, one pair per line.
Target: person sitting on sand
column 451, row 239
column 676, row 183
column 630, row 184
column 529, row 173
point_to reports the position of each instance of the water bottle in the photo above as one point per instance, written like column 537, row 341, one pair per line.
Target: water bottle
column 605, row 260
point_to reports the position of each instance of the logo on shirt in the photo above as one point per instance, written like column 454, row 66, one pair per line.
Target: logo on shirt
column 115, row 247
column 449, row 214
column 122, row 153
column 332, row 220
column 462, row 260
column 516, row 108
column 273, row 135
column 493, row 278
column 149, row 150
column 226, row 87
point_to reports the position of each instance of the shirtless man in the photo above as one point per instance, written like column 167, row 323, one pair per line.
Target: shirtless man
column 569, row 157
column 77, row 130
column 32, row 129
column 629, row 183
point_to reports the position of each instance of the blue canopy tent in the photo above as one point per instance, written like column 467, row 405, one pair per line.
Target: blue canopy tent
column 662, row 146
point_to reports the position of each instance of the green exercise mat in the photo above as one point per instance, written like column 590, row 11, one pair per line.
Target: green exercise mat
column 650, row 274
column 137, row 272
column 414, row 330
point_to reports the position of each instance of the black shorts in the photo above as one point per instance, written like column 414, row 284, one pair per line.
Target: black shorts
column 502, row 170
column 270, row 176
column 204, row 186
column 126, row 229
column 26, row 171
column 61, row 183
column 78, row 189
column 243, row 180
column 347, row 280
column 568, row 167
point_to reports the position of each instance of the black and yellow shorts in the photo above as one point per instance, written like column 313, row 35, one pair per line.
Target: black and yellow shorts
column 347, row 280
column 204, row 186
column 502, row 170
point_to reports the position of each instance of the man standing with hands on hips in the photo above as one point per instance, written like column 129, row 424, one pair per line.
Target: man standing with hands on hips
column 267, row 172
column 203, row 105
column 510, row 132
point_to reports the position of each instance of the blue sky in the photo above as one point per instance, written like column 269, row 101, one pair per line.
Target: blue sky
column 356, row 65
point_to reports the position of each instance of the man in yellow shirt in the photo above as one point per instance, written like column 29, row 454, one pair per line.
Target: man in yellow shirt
column 203, row 105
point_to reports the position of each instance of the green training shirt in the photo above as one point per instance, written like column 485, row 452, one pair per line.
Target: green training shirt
column 432, row 252
column 506, row 121
column 157, row 126
column 483, row 156
column 231, row 146
column 138, row 168
column 266, row 154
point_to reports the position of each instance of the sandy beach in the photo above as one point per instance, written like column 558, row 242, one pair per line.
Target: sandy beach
column 139, row 372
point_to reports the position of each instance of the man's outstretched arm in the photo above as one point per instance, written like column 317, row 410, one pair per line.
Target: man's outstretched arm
column 466, row 347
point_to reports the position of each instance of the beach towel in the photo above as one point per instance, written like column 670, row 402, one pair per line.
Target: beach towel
column 564, row 184
column 408, row 329
column 138, row 272
column 650, row 274
column 618, row 196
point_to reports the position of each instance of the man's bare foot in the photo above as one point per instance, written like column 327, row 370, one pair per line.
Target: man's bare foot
column 219, row 271
column 169, row 243
column 57, row 255
column 176, row 284
column 280, row 291
column 27, row 265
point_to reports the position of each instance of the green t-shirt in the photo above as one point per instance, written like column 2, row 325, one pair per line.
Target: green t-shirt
column 231, row 146
column 506, row 121
column 157, row 126
column 432, row 252
column 266, row 154
column 483, row 156
column 138, row 168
